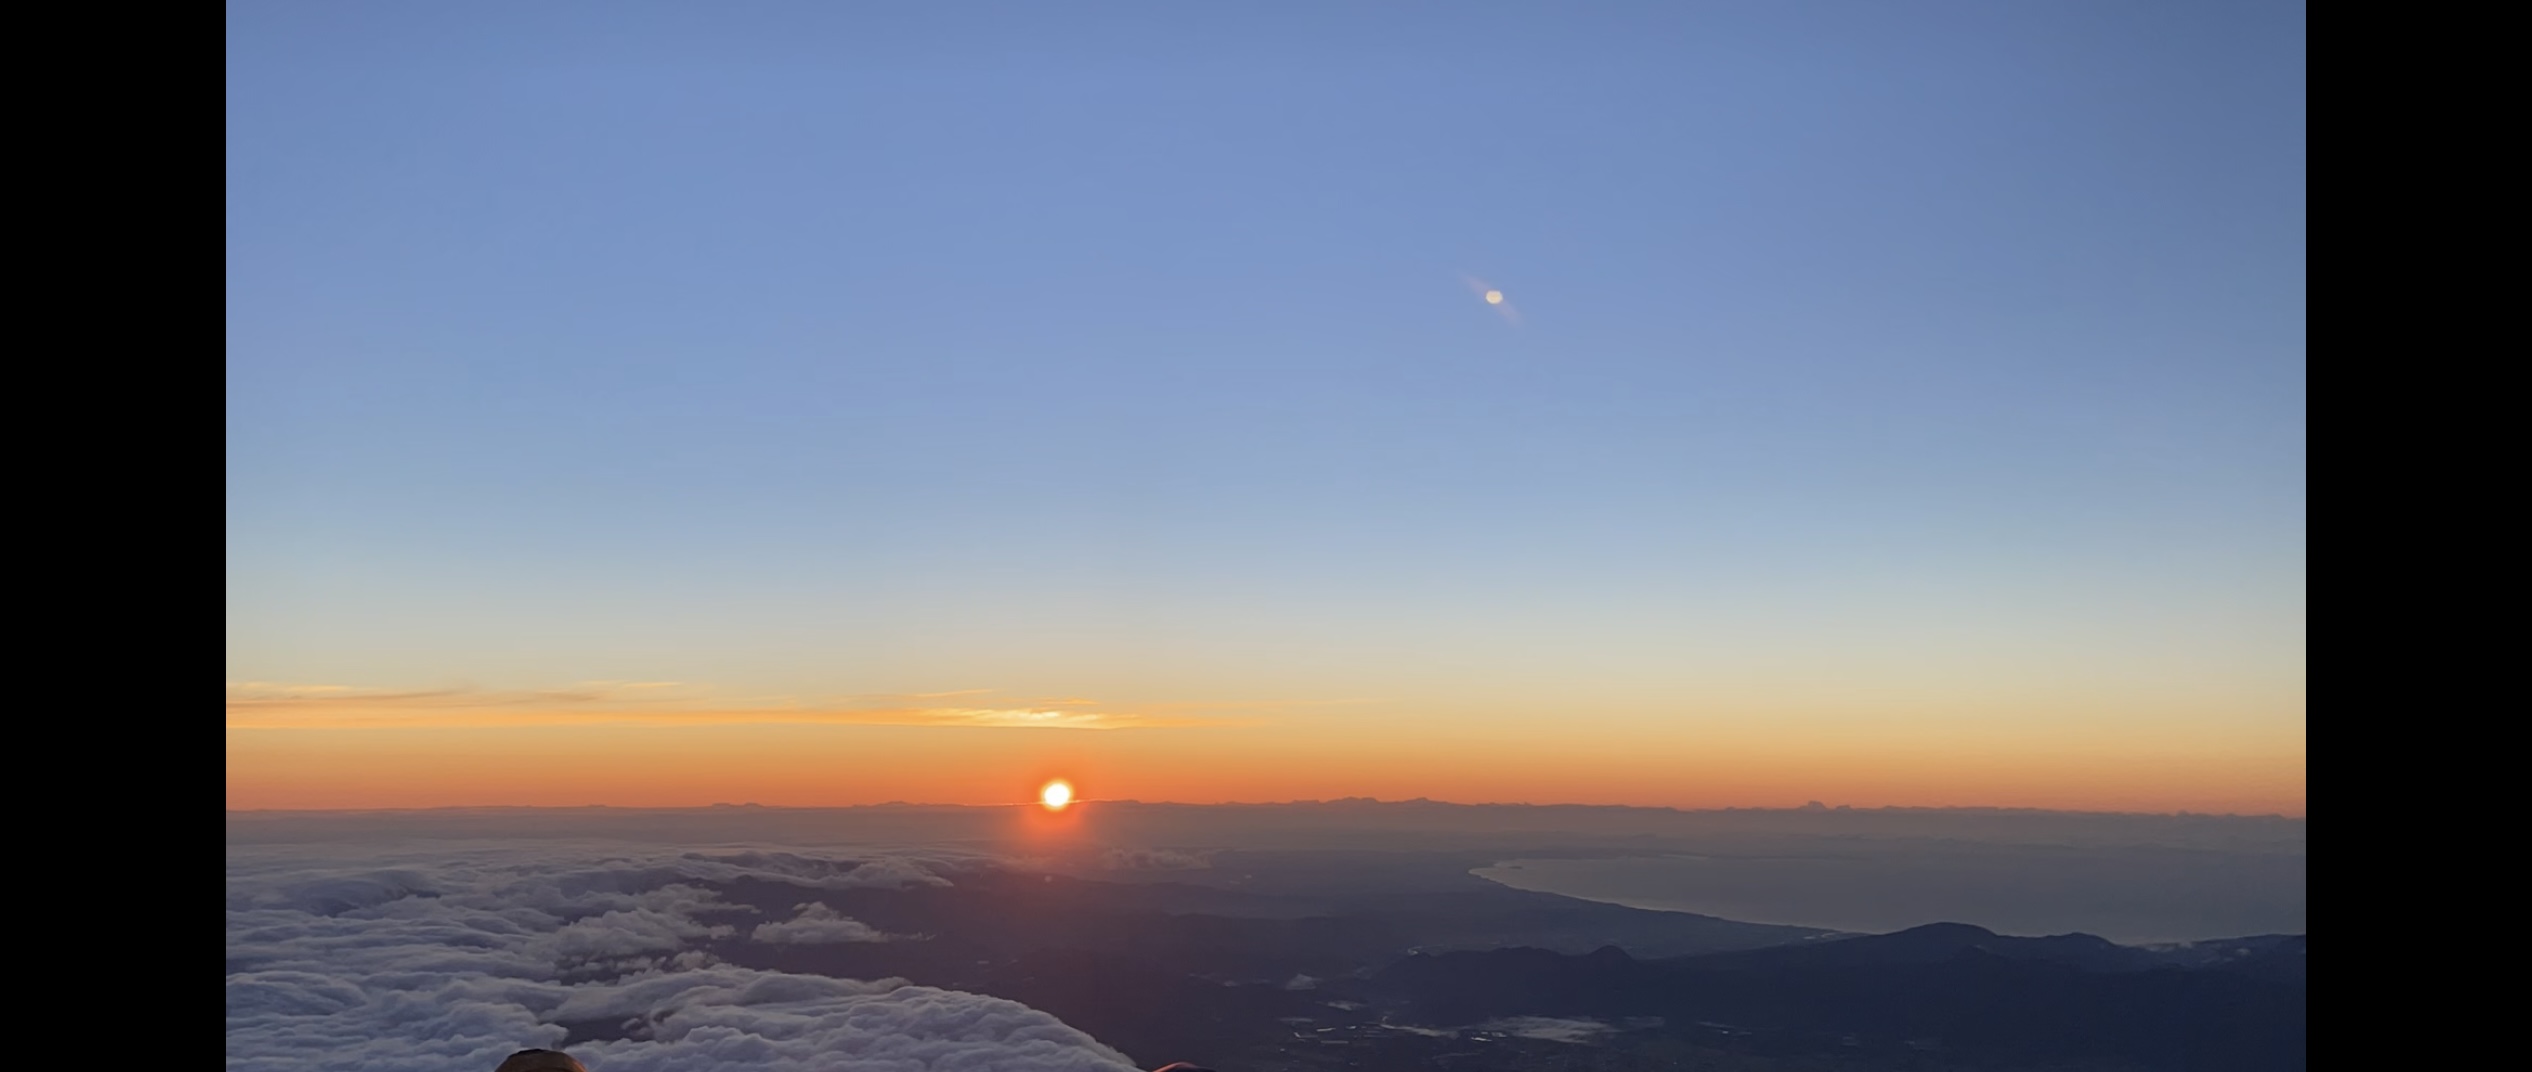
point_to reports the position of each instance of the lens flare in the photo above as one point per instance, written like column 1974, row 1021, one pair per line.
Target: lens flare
column 1056, row 795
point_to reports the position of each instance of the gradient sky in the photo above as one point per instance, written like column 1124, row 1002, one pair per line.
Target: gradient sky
column 835, row 403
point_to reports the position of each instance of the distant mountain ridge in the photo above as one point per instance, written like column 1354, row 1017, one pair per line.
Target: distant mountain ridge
column 1994, row 999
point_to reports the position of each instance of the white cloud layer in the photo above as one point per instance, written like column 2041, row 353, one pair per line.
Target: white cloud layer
column 817, row 924
column 451, row 960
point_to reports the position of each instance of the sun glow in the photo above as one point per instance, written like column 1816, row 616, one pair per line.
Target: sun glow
column 1056, row 796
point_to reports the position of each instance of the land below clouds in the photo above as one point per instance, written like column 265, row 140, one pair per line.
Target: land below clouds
column 2132, row 878
column 1356, row 934
column 1295, row 955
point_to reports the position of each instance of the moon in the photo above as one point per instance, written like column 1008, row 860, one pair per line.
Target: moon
column 1494, row 299
column 1056, row 795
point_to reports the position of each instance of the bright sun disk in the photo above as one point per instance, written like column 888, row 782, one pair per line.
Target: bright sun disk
column 1055, row 796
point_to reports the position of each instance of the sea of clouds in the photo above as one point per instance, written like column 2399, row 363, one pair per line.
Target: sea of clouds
column 449, row 958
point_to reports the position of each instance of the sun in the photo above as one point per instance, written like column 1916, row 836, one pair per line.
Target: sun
column 1494, row 297
column 1056, row 796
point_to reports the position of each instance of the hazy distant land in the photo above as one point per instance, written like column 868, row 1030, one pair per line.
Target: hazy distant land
column 1267, row 938
column 2128, row 877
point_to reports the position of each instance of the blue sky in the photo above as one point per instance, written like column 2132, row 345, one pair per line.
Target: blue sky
column 853, row 347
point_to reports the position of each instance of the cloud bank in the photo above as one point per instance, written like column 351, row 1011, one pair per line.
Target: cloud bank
column 447, row 962
column 816, row 925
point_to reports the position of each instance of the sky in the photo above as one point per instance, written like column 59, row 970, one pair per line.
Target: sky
column 816, row 404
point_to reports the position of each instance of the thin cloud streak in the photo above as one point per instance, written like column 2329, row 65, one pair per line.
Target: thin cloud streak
column 273, row 706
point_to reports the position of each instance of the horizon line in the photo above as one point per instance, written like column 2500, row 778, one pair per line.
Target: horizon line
column 1813, row 808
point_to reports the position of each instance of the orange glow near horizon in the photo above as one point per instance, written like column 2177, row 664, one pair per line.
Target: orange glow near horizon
column 823, row 766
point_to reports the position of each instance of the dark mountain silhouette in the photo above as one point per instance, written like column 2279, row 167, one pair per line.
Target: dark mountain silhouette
column 1981, row 998
column 1322, row 964
column 2278, row 958
column 1937, row 942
